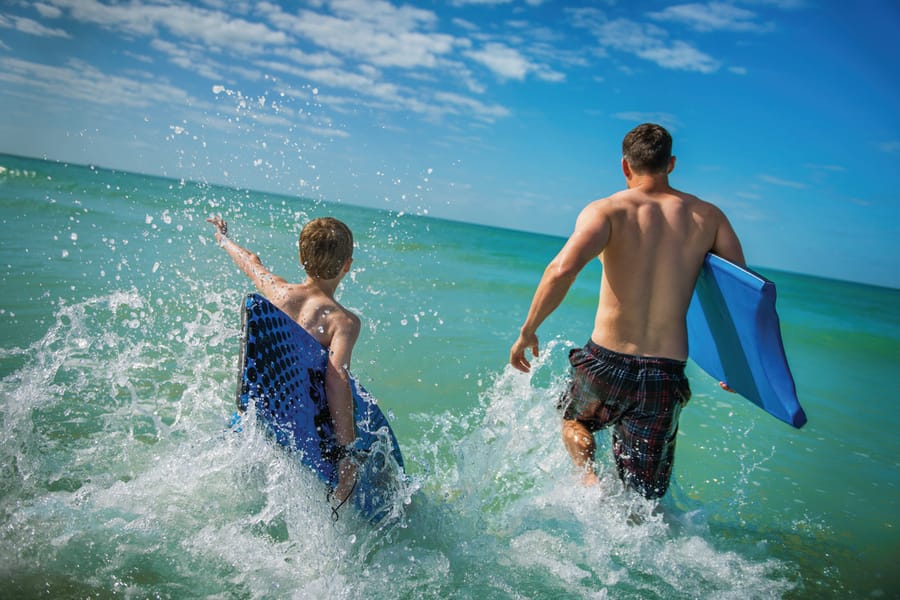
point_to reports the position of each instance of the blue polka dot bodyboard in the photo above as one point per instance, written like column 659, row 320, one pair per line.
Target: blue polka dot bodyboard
column 282, row 377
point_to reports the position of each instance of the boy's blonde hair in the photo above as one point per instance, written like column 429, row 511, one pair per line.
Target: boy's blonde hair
column 325, row 246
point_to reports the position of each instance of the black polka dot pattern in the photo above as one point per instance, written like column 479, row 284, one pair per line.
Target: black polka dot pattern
column 283, row 375
column 283, row 378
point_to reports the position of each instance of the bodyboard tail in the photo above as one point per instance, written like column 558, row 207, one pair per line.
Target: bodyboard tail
column 734, row 334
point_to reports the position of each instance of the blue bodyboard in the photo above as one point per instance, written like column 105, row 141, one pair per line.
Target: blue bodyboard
column 282, row 376
column 734, row 335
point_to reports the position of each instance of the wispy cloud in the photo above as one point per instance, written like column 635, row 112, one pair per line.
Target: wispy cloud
column 504, row 61
column 644, row 40
column 346, row 45
column 374, row 31
column 31, row 27
column 828, row 168
column 488, row 111
column 191, row 59
column 783, row 182
column 81, row 81
column 217, row 30
column 668, row 120
column 713, row 16
column 47, row 11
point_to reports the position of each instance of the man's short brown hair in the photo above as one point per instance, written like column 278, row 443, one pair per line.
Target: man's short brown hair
column 648, row 148
column 325, row 246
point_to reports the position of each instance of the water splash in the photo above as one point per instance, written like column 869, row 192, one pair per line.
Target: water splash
column 120, row 475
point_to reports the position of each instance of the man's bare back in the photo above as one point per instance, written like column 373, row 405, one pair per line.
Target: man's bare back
column 658, row 239
column 652, row 240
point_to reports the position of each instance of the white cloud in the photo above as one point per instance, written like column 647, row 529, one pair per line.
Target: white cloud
column 781, row 4
column 489, row 112
column 377, row 32
column 783, row 182
column 346, row 45
column 217, row 30
column 504, row 61
column 646, row 41
column 80, row 81
column 31, row 27
column 667, row 120
column 479, row 2
column 313, row 59
column 829, row 168
column 680, row 55
column 195, row 61
column 47, row 11
column 713, row 16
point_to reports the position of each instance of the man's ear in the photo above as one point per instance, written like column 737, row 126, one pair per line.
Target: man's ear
column 671, row 165
column 626, row 169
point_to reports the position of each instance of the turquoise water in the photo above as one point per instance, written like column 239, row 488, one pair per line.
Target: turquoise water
column 117, row 373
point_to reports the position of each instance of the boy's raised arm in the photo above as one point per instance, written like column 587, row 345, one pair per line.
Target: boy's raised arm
column 265, row 281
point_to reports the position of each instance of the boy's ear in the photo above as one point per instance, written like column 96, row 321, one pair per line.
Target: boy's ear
column 346, row 267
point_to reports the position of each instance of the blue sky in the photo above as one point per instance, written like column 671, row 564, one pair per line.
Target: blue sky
column 786, row 113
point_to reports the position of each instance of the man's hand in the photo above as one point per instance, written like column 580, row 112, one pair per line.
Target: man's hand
column 517, row 352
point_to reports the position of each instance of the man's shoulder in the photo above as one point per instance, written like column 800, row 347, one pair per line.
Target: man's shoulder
column 609, row 204
column 703, row 206
column 692, row 199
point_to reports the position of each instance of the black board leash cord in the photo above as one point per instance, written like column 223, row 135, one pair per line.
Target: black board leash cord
column 334, row 509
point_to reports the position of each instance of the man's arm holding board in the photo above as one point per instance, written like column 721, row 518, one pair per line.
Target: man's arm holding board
column 728, row 246
column 726, row 243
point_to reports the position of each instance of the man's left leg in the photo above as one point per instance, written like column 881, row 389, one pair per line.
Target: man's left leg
column 580, row 443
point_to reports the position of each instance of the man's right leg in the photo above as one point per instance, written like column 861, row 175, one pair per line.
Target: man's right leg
column 580, row 443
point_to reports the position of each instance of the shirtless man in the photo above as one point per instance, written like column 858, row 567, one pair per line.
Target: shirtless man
column 652, row 240
column 326, row 252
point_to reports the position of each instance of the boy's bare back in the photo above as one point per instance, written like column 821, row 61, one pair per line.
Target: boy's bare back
column 320, row 315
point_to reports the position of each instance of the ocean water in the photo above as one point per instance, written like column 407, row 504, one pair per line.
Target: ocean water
column 120, row 477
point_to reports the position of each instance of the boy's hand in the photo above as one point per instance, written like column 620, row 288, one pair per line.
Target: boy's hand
column 346, row 479
column 221, row 227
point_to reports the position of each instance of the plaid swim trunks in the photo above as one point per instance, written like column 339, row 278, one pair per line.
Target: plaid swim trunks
column 641, row 397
